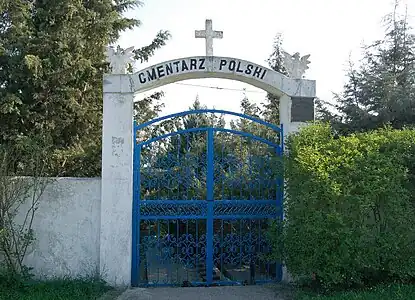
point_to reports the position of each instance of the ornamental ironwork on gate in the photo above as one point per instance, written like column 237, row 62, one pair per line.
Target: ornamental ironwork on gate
column 204, row 197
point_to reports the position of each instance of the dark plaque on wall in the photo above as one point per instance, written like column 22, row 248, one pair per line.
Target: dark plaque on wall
column 302, row 109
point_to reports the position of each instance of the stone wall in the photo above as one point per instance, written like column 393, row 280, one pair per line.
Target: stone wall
column 67, row 229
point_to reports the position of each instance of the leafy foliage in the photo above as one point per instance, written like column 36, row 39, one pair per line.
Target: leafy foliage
column 350, row 207
column 19, row 200
column 51, row 65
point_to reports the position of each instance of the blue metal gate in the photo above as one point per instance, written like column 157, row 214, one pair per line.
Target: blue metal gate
column 203, row 200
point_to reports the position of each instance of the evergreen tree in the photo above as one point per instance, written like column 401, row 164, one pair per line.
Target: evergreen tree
column 194, row 142
column 250, row 109
column 275, row 62
column 202, row 120
column 324, row 111
column 270, row 110
column 382, row 90
column 264, row 113
column 181, row 159
column 51, row 65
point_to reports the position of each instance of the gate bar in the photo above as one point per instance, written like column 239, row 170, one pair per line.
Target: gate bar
column 136, row 217
column 209, row 221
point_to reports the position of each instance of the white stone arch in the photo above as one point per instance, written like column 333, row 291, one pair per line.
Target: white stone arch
column 117, row 140
column 197, row 67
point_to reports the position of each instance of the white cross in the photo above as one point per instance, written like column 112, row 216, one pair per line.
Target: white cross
column 209, row 35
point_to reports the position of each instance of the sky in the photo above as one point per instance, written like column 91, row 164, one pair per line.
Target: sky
column 330, row 31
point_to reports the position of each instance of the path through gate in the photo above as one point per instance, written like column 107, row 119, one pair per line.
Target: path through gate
column 204, row 198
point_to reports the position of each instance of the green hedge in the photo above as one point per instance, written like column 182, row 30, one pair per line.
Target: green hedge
column 350, row 210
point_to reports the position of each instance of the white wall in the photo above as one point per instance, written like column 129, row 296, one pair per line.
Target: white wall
column 67, row 229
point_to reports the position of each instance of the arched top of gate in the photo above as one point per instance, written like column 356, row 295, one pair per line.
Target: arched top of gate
column 206, row 111
column 197, row 67
column 201, row 129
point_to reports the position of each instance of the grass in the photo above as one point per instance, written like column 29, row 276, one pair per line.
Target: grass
column 85, row 289
column 382, row 292
column 61, row 289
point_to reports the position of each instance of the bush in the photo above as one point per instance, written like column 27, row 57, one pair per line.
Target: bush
column 19, row 199
column 350, row 211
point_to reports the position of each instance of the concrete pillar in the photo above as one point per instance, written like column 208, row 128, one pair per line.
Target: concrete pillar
column 117, row 183
column 117, row 140
column 285, row 113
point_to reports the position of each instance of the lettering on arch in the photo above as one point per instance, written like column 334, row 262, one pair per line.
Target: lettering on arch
column 199, row 64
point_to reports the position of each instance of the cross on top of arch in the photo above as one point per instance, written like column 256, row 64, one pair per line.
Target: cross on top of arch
column 120, row 59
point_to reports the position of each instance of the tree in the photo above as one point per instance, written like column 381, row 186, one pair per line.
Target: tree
column 250, row 109
column 179, row 161
column 382, row 90
column 269, row 111
column 350, row 199
column 19, row 199
column 325, row 111
column 51, row 65
column 275, row 62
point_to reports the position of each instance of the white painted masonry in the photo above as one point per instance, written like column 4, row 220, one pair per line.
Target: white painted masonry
column 209, row 34
column 117, row 161
column 84, row 226
column 67, row 229
column 117, row 184
column 209, row 67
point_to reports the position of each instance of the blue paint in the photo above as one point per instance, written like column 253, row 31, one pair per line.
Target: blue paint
column 210, row 166
column 182, row 132
column 210, row 198
column 202, row 209
column 206, row 111
column 136, row 217
column 209, row 244
column 281, row 179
